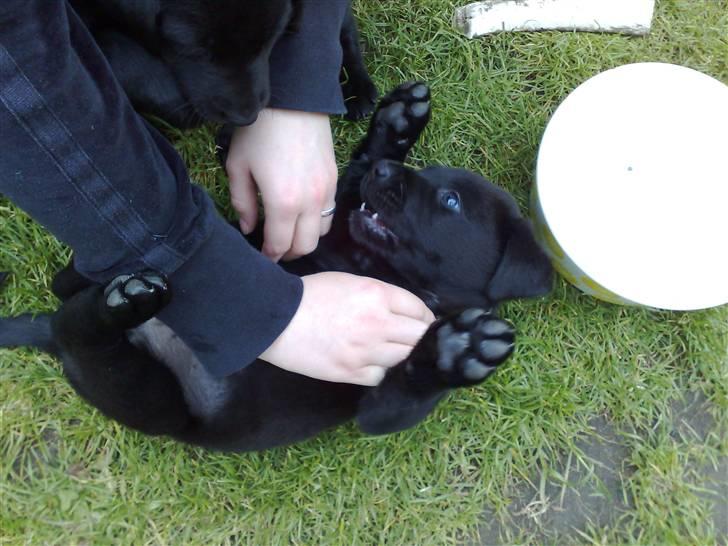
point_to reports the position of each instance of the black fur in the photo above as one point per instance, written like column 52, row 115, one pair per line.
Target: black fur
column 445, row 234
column 194, row 61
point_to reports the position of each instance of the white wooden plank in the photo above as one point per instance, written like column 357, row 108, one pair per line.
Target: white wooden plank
column 489, row 16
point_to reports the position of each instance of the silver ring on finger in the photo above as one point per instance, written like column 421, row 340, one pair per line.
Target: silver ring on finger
column 328, row 212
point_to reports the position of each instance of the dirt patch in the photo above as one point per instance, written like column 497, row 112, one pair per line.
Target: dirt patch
column 588, row 492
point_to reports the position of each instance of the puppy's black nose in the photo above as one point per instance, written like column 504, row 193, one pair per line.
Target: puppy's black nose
column 385, row 186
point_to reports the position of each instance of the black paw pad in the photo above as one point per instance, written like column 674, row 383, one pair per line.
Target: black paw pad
column 471, row 345
column 130, row 300
column 393, row 116
column 402, row 115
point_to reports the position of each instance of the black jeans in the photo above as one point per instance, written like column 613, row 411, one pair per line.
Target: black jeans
column 79, row 160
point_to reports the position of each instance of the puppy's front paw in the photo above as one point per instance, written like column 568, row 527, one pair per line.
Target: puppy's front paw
column 471, row 345
column 130, row 300
column 401, row 116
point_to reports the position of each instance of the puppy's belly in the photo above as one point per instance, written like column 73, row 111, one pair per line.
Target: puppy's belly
column 205, row 395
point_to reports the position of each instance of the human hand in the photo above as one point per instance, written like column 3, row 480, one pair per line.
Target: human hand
column 349, row 329
column 288, row 156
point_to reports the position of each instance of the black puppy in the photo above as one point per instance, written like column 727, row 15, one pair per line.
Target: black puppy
column 194, row 61
column 445, row 234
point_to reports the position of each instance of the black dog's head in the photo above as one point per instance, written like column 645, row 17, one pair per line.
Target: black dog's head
column 456, row 239
column 219, row 52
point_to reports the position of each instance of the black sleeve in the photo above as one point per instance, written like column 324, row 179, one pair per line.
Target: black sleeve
column 306, row 64
column 77, row 158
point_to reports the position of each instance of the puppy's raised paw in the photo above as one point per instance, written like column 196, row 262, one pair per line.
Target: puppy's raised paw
column 471, row 345
column 403, row 113
column 130, row 300
column 400, row 117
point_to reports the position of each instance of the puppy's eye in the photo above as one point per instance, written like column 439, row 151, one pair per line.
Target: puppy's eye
column 450, row 200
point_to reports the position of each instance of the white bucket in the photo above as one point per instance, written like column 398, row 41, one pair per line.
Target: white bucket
column 631, row 193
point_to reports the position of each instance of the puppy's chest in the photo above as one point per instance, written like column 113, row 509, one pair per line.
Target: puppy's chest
column 347, row 257
column 364, row 264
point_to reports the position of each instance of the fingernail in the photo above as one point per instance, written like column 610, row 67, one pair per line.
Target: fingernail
column 245, row 227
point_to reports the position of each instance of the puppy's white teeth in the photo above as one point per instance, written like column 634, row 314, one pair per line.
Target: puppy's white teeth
column 375, row 216
column 363, row 207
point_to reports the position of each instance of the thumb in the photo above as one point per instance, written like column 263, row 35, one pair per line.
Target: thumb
column 369, row 376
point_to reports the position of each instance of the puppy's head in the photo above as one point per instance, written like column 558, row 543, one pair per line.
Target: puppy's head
column 219, row 52
column 455, row 238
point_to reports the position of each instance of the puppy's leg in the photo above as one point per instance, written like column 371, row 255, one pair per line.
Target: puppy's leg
column 458, row 351
column 123, row 382
column 359, row 90
column 68, row 282
column 401, row 116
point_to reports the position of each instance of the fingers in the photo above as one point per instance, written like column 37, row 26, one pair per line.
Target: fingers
column 329, row 200
column 278, row 230
column 379, row 361
column 369, row 376
column 306, row 235
column 402, row 302
column 405, row 330
column 325, row 221
column 310, row 225
column 388, row 355
column 288, row 156
column 244, row 198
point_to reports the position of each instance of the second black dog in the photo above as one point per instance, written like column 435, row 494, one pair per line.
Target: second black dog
column 194, row 61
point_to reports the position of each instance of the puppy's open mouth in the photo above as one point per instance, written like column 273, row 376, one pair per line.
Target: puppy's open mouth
column 368, row 226
column 375, row 224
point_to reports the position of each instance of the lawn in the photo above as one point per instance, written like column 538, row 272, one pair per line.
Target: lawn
column 606, row 427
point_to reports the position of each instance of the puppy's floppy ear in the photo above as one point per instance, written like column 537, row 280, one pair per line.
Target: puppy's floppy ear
column 524, row 270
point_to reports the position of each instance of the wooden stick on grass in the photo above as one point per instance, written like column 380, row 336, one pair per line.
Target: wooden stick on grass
column 621, row 16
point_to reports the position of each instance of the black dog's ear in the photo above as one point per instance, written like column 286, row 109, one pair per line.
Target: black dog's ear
column 524, row 270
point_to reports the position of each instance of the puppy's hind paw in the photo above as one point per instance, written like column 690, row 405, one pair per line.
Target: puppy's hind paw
column 130, row 300
column 471, row 345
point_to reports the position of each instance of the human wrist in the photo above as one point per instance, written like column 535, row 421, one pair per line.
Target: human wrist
column 229, row 302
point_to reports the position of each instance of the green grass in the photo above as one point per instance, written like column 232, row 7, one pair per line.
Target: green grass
column 68, row 476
